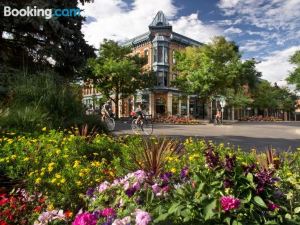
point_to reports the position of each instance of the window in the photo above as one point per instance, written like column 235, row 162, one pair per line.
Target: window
column 155, row 54
column 166, row 54
column 162, row 79
column 174, row 58
column 146, row 55
column 160, row 54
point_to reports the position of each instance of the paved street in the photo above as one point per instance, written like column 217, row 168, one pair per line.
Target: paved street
column 260, row 135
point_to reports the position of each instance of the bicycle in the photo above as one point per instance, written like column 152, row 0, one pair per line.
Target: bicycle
column 145, row 125
column 217, row 121
column 109, row 122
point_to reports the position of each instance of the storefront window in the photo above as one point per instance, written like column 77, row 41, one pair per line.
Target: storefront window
column 160, row 106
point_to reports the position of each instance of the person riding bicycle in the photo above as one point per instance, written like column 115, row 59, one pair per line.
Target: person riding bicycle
column 140, row 114
column 218, row 116
column 105, row 110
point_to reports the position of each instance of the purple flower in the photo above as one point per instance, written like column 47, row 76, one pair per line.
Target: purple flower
column 156, row 188
column 85, row 219
column 229, row 163
column 142, row 217
column 166, row 177
column 90, row 192
column 130, row 191
column 227, row 183
column 103, row 186
column 272, row 206
column 263, row 179
column 184, row 172
column 229, row 202
column 249, row 168
column 212, row 158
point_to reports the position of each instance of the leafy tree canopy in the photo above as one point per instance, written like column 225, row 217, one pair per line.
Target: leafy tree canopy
column 294, row 77
column 118, row 73
column 37, row 44
column 213, row 68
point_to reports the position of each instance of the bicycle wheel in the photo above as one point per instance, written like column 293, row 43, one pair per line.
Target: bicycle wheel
column 110, row 124
column 147, row 127
column 135, row 127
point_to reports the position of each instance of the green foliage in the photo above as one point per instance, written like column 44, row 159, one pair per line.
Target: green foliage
column 58, row 165
column 35, row 43
column 267, row 96
column 117, row 73
column 294, row 76
column 210, row 69
column 192, row 193
column 147, row 154
column 38, row 100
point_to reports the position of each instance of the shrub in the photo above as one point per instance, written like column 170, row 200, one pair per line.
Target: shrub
column 60, row 166
column 43, row 98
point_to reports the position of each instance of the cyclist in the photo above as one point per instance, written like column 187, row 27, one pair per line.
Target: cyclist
column 218, row 117
column 140, row 114
column 105, row 110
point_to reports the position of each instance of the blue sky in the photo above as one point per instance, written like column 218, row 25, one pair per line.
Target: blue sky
column 268, row 30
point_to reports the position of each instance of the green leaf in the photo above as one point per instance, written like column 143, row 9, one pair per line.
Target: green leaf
column 250, row 177
column 208, row 210
column 235, row 222
column 173, row 208
column 288, row 216
column 297, row 210
column 260, row 202
column 161, row 217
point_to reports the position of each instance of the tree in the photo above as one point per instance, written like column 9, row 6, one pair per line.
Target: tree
column 294, row 77
column 211, row 69
column 270, row 97
column 117, row 73
column 35, row 44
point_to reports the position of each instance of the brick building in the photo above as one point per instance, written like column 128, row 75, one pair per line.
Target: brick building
column 159, row 45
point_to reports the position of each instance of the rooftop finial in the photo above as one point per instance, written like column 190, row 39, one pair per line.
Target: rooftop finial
column 160, row 20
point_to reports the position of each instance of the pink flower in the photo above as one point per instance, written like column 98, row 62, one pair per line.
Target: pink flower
column 108, row 212
column 272, row 206
column 85, row 219
column 229, row 203
column 156, row 188
column 124, row 221
column 103, row 186
column 142, row 217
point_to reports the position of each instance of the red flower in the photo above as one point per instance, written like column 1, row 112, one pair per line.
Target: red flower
column 2, row 222
column 38, row 209
column 272, row 206
column 3, row 201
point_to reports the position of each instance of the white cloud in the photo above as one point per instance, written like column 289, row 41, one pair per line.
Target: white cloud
column 192, row 27
column 253, row 45
column 115, row 19
column 275, row 67
column 233, row 30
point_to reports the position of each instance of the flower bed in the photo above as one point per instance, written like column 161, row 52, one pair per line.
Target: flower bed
column 261, row 118
column 176, row 120
column 194, row 182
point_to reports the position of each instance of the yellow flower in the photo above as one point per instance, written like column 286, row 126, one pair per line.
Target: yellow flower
column 44, row 128
column 53, row 180
column 289, row 174
column 13, row 157
column 50, row 206
column 57, row 175
column 76, row 164
column 30, row 174
column 63, row 180
column 78, row 183
column 95, row 163
column 38, row 180
column 42, row 173
column 173, row 170
column 26, row 159
column 81, row 174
